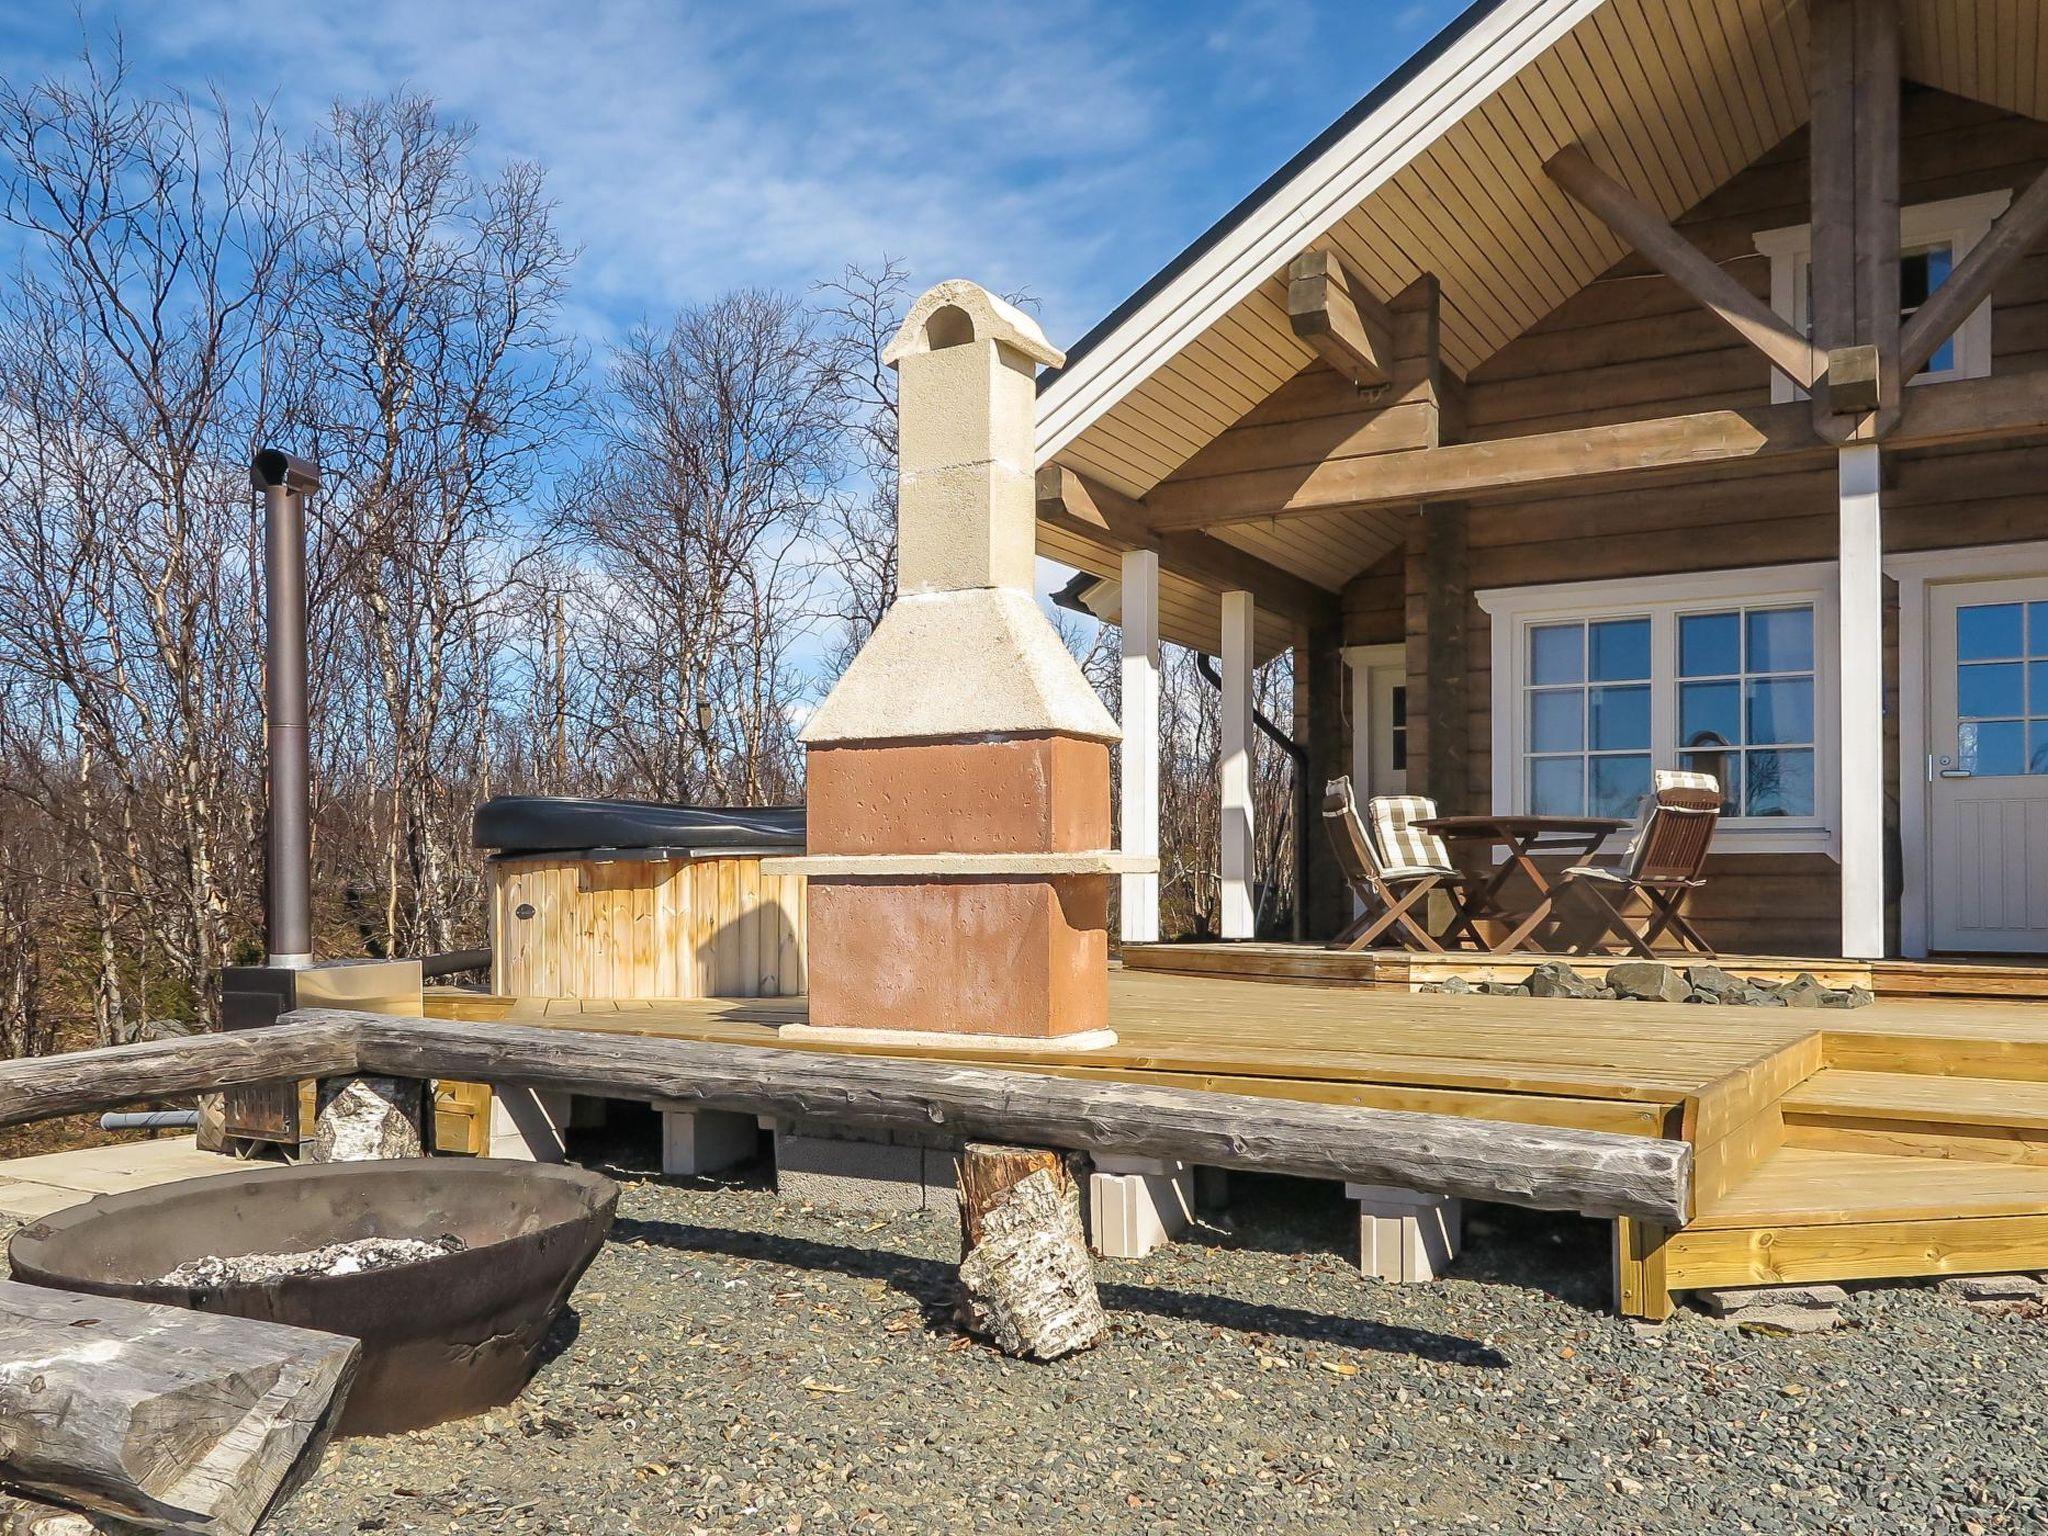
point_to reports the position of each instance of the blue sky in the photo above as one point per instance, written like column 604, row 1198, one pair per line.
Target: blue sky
column 1060, row 147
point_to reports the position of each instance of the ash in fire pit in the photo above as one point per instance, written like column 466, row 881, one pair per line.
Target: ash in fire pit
column 351, row 1258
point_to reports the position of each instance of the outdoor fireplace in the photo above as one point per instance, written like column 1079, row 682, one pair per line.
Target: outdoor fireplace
column 443, row 1337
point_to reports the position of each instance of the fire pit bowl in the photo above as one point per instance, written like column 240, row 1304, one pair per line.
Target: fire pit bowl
column 443, row 1337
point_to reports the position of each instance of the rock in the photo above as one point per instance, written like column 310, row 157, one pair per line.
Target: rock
column 1648, row 981
column 1503, row 989
column 1849, row 997
column 1802, row 991
column 1995, row 1288
column 1775, row 1308
column 1455, row 984
column 1711, row 984
column 1553, row 978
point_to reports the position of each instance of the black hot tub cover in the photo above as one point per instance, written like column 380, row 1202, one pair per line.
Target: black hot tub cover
column 565, row 824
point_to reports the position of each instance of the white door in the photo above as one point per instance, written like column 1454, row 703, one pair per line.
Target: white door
column 1389, row 731
column 1987, row 824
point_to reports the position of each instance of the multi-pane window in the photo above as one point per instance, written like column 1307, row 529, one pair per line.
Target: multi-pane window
column 1731, row 691
column 1746, row 708
column 2002, row 688
column 1588, row 699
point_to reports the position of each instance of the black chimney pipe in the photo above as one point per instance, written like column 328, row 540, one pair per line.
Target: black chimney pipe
column 285, row 482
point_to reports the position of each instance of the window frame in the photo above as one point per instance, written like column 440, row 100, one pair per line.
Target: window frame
column 1959, row 221
column 1515, row 611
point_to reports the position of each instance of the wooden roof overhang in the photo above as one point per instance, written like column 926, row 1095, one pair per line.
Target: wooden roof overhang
column 1444, row 174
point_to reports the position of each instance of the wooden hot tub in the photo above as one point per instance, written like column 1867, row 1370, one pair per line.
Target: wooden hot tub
column 628, row 899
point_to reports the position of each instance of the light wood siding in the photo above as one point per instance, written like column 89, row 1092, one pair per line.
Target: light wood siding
column 1630, row 346
column 714, row 927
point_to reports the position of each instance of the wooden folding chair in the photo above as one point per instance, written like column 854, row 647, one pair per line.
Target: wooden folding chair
column 1661, row 866
column 1390, row 894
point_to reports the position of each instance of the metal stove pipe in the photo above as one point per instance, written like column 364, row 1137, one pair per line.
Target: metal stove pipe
column 285, row 482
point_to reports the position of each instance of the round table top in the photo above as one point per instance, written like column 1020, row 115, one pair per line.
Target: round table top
column 1522, row 826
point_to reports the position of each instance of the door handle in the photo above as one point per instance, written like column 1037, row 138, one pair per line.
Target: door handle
column 1957, row 773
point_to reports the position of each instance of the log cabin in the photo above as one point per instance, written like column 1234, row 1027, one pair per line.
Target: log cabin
column 1623, row 384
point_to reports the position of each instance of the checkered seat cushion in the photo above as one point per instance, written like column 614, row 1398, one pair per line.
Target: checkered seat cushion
column 1685, row 786
column 1404, row 849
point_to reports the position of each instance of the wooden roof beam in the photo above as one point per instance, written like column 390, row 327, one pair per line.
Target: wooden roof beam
column 1685, row 264
column 1333, row 311
column 1070, row 500
column 1960, row 411
column 1970, row 284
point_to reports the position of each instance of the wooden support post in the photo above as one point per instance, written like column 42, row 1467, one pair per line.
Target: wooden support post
column 1447, row 620
column 1320, row 679
column 1234, row 770
column 1139, row 904
column 1855, row 172
column 1861, row 651
column 1026, row 1279
column 1640, row 1287
column 177, row 1420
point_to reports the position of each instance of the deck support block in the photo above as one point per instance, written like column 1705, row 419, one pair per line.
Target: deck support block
column 527, row 1124
column 1405, row 1236
column 1137, row 1205
column 696, row 1142
column 893, row 1174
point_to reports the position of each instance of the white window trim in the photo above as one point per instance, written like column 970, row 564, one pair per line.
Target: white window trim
column 1516, row 610
column 1961, row 221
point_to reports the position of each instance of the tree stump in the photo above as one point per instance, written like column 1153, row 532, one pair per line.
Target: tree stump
column 1027, row 1282
column 367, row 1119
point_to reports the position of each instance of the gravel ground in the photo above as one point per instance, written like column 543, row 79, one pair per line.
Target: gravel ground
column 734, row 1364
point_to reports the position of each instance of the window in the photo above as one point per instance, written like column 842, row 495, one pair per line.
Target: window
column 1746, row 706
column 1588, row 738
column 1595, row 684
column 1398, row 748
column 1935, row 237
column 2002, row 688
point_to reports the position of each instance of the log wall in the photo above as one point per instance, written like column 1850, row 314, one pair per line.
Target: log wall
column 1633, row 346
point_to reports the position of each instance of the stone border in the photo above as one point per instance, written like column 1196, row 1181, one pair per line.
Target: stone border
column 1653, row 981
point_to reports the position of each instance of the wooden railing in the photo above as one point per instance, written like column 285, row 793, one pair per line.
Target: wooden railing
column 1596, row 1173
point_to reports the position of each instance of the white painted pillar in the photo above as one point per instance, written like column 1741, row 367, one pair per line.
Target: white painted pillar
column 1235, row 767
column 1140, row 894
column 1861, row 671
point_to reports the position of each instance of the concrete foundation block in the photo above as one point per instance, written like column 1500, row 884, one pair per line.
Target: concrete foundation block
column 1404, row 1235
column 899, row 1176
column 1137, row 1205
column 695, row 1142
column 1994, row 1288
column 527, row 1124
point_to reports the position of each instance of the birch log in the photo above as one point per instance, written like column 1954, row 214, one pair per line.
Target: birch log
column 1027, row 1281
column 175, row 1420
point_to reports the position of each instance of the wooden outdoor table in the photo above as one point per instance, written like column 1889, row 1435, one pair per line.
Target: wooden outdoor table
column 1524, row 837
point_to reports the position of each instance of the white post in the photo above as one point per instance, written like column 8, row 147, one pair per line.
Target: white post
column 1861, row 652
column 1140, row 903
column 1235, row 767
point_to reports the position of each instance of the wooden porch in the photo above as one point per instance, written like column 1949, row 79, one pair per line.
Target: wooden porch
column 1908, row 1138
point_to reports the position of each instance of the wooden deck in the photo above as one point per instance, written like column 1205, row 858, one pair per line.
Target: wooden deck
column 1405, row 970
column 1906, row 1138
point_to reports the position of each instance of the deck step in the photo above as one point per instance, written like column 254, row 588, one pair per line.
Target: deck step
column 1807, row 1186
column 1917, row 1115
